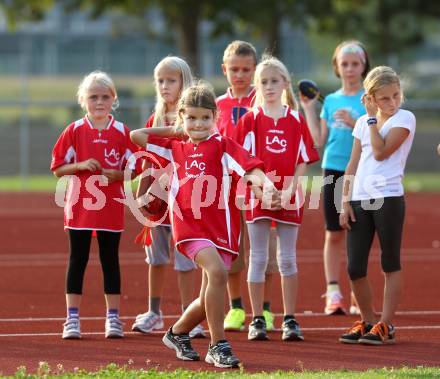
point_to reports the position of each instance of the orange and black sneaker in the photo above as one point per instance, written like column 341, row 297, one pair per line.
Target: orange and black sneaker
column 379, row 334
column 359, row 329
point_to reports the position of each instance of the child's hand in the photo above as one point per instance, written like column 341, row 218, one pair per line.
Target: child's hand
column 307, row 102
column 179, row 133
column 270, row 198
column 369, row 104
column 91, row 165
column 344, row 116
column 112, row 175
column 346, row 216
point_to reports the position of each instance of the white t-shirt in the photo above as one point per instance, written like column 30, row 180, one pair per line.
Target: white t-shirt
column 376, row 179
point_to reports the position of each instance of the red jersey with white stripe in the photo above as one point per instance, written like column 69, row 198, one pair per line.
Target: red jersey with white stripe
column 202, row 203
column 230, row 110
column 281, row 146
column 92, row 202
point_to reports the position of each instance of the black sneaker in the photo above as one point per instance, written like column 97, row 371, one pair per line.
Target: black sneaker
column 220, row 355
column 379, row 334
column 291, row 330
column 257, row 330
column 182, row 344
column 356, row 332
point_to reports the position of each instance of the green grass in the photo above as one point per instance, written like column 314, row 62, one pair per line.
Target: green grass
column 420, row 182
column 114, row 371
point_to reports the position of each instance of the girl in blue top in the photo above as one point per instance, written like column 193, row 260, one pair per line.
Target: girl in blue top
column 338, row 116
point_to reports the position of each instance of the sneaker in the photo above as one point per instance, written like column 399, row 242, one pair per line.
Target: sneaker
column 333, row 304
column 197, row 332
column 147, row 322
column 291, row 330
column 220, row 355
column 257, row 330
column 71, row 329
column 354, row 308
column 234, row 320
column 269, row 317
column 181, row 343
column 114, row 328
column 356, row 332
column 379, row 334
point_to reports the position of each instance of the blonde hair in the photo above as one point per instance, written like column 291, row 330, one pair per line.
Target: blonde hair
column 241, row 48
column 179, row 66
column 352, row 46
column 380, row 77
column 200, row 95
column 99, row 78
column 269, row 61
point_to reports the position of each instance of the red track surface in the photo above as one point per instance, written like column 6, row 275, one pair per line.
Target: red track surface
column 33, row 257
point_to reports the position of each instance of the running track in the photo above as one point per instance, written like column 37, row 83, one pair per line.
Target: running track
column 32, row 269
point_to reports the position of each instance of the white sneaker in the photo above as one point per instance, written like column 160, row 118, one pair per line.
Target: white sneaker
column 147, row 322
column 71, row 329
column 333, row 304
column 114, row 328
column 197, row 332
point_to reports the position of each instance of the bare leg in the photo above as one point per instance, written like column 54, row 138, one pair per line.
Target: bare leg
column 211, row 300
column 156, row 280
column 234, row 285
column 392, row 293
column 112, row 301
column 289, row 285
column 185, row 280
column 256, row 294
column 268, row 284
column 362, row 291
column 333, row 245
column 73, row 300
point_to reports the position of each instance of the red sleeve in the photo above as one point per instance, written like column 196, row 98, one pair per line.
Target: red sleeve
column 307, row 150
column 64, row 149
column 160, row 148
column 150, row 121
column 129, row 159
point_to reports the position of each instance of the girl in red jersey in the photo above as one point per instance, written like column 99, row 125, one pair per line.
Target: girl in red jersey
column 172, row 75
column 205, row 220
column 275, row 132
column 93, row 152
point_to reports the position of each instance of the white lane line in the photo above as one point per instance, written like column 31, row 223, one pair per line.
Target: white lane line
column 408, row 327
column 301, row 315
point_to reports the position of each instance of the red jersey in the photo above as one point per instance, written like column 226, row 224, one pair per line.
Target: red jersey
column 91, row 203
column 281, row 146
column 230, row 109
column 202, row 204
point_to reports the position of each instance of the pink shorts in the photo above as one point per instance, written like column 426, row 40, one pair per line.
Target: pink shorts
column 191, row 248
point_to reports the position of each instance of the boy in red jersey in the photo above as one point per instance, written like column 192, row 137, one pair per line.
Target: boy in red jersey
column 239, row 62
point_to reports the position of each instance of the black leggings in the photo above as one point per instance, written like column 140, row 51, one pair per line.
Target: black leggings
column 79, row 256
column 332, row 196
column 387, row 221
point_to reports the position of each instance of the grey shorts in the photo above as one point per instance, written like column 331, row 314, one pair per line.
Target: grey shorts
column 158, row 253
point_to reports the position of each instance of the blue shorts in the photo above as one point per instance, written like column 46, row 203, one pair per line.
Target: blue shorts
column 158, row 253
